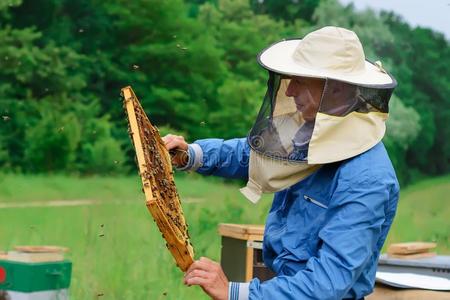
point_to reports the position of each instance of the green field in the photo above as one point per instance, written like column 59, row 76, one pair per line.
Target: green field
column 118, row 253
column 423, row 214
column 114, row 244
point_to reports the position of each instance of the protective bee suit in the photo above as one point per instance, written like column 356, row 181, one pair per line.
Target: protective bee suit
column 336, row 191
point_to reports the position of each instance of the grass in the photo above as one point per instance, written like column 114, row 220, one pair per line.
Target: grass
column 117, row 250
column 115, row 247
column 24, row 188
column 422, row 214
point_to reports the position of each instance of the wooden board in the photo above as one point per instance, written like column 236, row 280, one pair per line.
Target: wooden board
column 413, row 256
column 384, row 292
column 41, row 249
column 248, row 264
column 35, row 256
column 410, row 248
column 155, row 169
column 242, row 231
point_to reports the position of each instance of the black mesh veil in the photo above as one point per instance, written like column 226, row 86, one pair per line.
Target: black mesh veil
column 341, row 98
column 281, row 131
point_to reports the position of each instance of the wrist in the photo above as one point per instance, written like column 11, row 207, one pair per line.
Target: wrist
column 194, row 158
column 238, row 290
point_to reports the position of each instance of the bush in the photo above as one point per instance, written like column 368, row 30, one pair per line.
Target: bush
column 52, row 142
column 100, row 152
column 104, row 156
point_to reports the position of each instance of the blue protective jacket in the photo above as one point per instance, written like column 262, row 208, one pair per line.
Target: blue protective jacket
column 324, row 234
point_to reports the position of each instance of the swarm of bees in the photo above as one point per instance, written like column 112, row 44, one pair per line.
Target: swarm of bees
column 155, row 169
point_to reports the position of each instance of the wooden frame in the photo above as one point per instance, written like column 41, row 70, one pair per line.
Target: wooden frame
column 156, row 172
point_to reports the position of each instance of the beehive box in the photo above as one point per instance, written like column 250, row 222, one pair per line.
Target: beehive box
column 35, row 281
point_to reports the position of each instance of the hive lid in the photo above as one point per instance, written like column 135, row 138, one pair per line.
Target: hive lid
column 41, row 249
column 410, row 248
column 242, row 231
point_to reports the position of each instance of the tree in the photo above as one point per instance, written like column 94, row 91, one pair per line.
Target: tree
column 403, row 127
column 288, row 10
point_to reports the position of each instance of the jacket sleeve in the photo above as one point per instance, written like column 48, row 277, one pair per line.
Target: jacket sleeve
column 222, row 158
column 352, row 232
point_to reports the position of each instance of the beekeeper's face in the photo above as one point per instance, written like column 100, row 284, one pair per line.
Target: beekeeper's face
column 307, row 93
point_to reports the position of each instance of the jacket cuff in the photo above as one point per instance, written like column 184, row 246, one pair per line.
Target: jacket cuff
column 195, row 158
column 238, row 290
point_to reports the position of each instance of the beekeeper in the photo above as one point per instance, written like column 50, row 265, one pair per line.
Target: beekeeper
column 316, row 144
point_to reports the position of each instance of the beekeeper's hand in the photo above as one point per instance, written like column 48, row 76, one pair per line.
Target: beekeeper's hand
column 209, row 276
column 178, row 148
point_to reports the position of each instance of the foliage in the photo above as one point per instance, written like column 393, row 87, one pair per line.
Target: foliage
column 100, row 152
column 238, row 118
column 403, row 127
column 192, row 64
column 50, row 144
column 426, row 87
column 289, row 10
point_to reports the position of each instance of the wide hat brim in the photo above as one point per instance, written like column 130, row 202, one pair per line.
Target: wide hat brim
column 279, row 58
